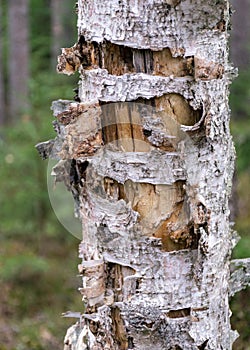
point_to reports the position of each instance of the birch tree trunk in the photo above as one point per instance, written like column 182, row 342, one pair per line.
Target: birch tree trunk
column 150, row 162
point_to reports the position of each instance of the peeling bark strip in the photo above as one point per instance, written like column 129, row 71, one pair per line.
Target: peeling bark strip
column 240, row 275
column 150, row 161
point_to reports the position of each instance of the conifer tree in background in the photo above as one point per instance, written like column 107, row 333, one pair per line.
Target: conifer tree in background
column 240, row 39
column 61, row 27
column 2, row 95
column 240, row 55
column 151, row 161
column 18, row 58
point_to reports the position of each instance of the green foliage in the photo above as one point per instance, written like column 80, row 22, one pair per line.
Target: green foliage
column 243, row 248
column 39, row 284
column 241, row 133
column 38, row 258
column 22, row 267
column 40, row 38
column 239, row 99
column 19, row 186
column 241, row 319
column 24, row 201
column 240, row 96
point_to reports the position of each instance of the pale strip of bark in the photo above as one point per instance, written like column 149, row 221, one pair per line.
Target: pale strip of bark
column 144, row 167
column 169, row 25
column 240, row 275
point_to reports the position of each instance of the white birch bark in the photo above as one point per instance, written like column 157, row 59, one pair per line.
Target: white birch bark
column 156, row 235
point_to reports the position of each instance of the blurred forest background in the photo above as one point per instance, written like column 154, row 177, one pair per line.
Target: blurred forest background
column 38, row 258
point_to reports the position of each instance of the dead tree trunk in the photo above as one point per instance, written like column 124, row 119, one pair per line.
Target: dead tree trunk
column 150, row 165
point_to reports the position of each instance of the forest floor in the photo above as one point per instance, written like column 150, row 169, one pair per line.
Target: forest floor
column 38, row 271
column 33, row 299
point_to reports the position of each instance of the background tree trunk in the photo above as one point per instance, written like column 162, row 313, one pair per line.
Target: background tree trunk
column 240, row 38
column 240, row 56
column 61, row 28
column 18, row 61
column 57, row 10
column 150, row 162
column 2, row 97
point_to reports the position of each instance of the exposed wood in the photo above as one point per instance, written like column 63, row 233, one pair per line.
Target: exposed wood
column 207, row 70
column 176, row 107
column 122, row 126
column 69, row 61
column 165, row 64
column 118, row 60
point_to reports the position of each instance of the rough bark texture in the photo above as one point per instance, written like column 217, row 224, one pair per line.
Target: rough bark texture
column 18, row 58
column 151, row 163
